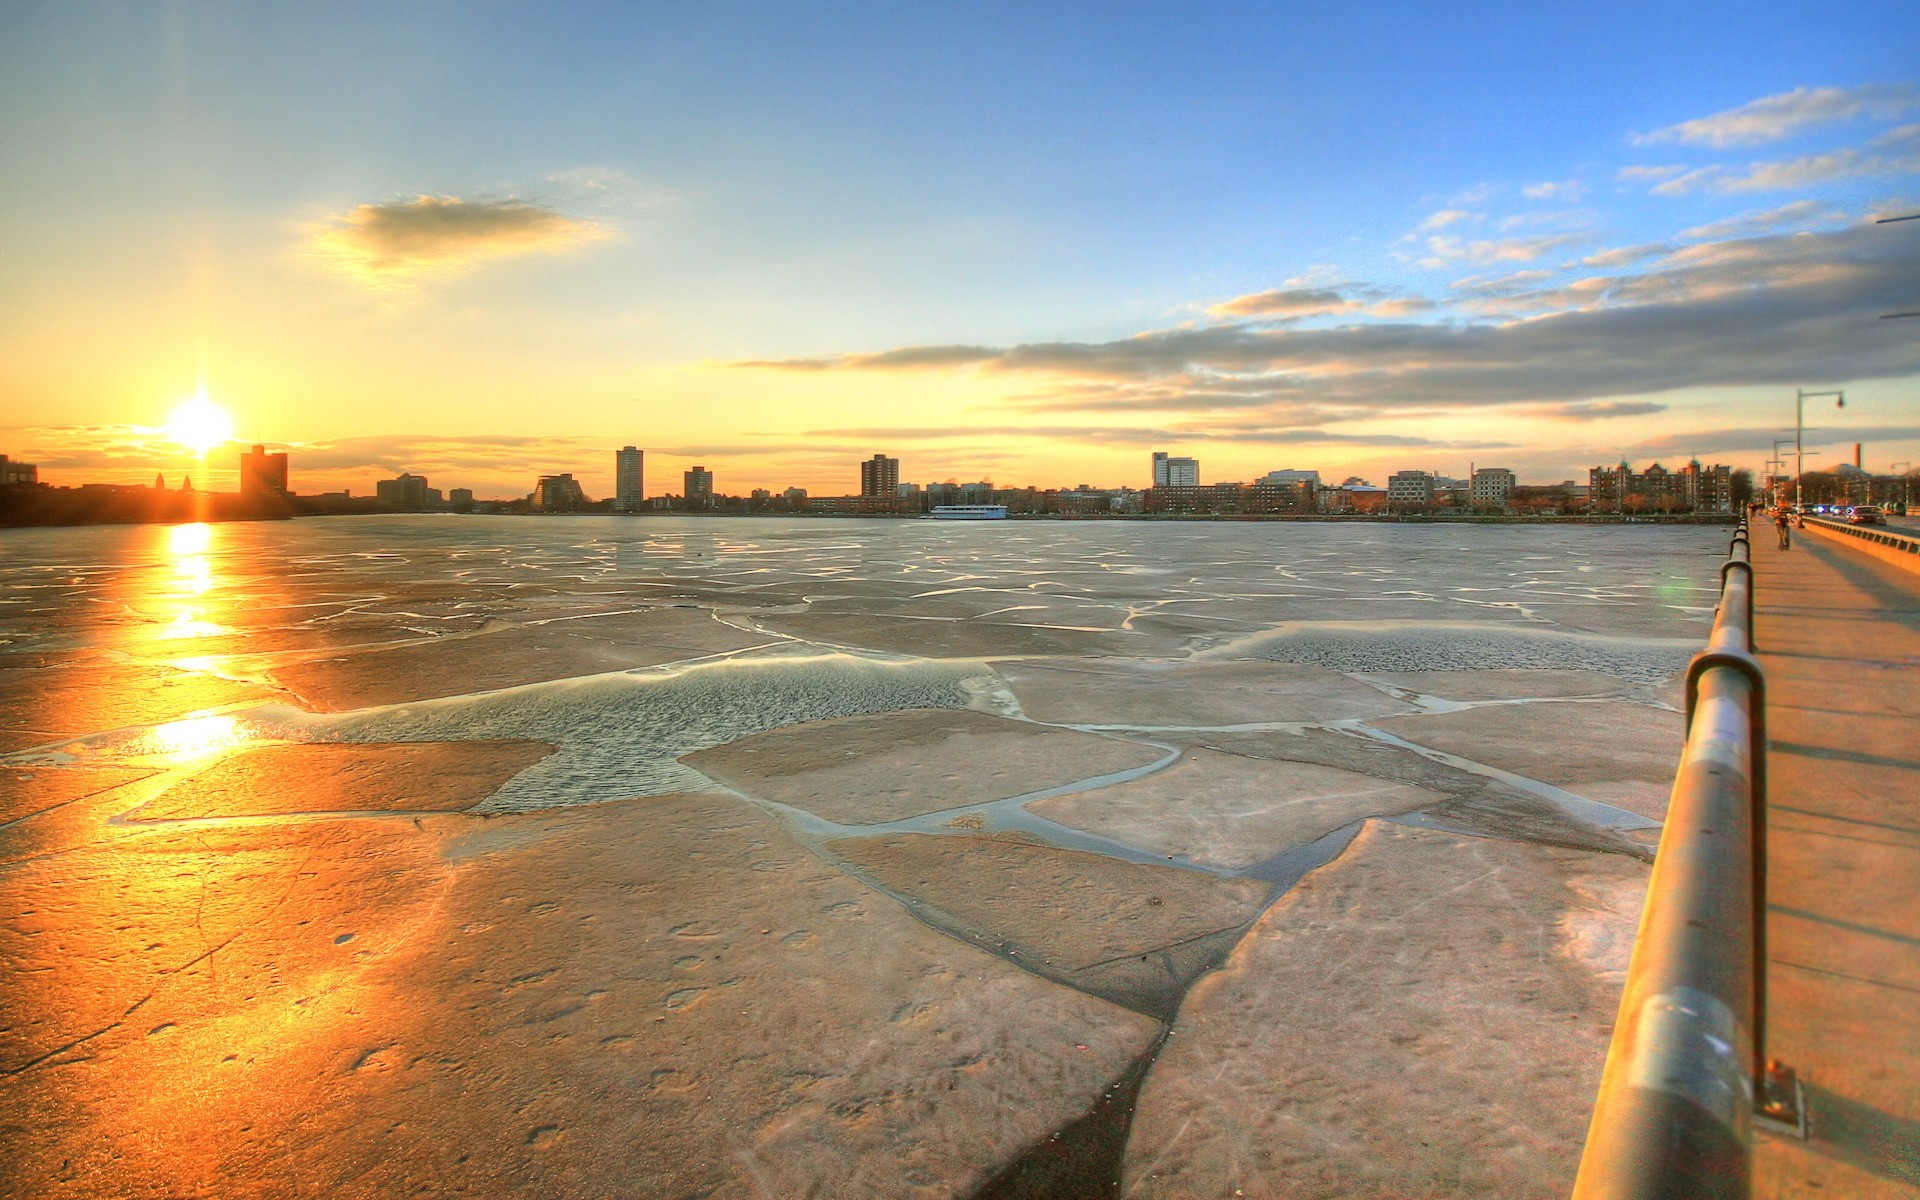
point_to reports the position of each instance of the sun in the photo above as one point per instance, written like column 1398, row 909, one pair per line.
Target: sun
column 200, row 425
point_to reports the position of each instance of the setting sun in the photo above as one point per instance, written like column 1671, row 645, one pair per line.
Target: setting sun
column 200, row 425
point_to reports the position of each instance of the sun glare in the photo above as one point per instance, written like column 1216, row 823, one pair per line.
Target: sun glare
column 200, row 425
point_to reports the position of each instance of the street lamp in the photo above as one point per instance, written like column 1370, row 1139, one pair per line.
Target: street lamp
column 1905, row 471
column 1799, row 428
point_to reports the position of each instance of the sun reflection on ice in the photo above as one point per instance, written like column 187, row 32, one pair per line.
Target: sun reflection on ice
column 195, row 737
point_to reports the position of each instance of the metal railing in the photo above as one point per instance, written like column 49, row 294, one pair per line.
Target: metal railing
column 1688, row 1071
column 1883, row 537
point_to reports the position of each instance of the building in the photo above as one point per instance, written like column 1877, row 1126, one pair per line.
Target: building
column 1175, row 472
column 1493, row 485
column 558, row 493
column 699, row 488
column 880, row 478
column 263, row 474
column 629, row 479
column 460, row 499
column 12, row 472
column 1410, row 488
column 407, row 491
column 1278, row 478
column 1693, row 488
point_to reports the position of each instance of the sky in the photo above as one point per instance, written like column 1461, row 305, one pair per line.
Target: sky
column 1027, row 243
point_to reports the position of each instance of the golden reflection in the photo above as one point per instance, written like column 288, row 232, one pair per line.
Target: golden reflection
column 195, row 737
column 181, row 603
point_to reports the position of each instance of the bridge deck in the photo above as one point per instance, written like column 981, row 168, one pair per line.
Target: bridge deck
column 1839, row 637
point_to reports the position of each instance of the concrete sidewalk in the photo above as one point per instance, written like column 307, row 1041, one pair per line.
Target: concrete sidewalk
column 1839, row 637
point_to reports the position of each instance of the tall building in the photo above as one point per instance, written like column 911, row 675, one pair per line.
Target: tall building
column 880, row 478
column 1175, row 472
column 263, row 474
column 629, row 479
column 699, row 486
column 1410, row 487
column 558, row 493
column 407, row 491
column 1493, row 485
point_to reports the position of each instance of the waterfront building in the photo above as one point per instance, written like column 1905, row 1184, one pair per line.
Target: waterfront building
column 263, row 474
column 406, row 491
column 880, row 478
column 629, row 479
column 1493, row 485
column 1278, row 478
column 13, row 473
column 460, row 499
column 1173, row 471
column 558, row 493
column 1410, row 488
column 970, row 512
column 699, row 487
column 1693, row 488
column 795, row 495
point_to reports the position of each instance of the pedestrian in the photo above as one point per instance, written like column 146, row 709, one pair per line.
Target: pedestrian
column 1785, row 530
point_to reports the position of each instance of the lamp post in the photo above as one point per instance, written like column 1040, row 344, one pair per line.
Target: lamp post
column 1800, row 399
column 1905, row 471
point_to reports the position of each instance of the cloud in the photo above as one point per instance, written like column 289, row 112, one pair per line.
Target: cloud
column 1769, row 311
column 1800, row 212
column 1571, row 189
column 1134, row 435
column 1772, row 118
column 443, row 235
column 1482, row 285
column 1284, row 302
column 1648, row 174
column 1449, row 216
column 1595, row 412
column 1401, row 306
column 1623, row 256
column 1753, row 439
column 1894, row 152
column 1447, row 251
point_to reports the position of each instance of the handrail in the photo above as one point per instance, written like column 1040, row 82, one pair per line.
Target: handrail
column 1884, row 537
column 1677, row 1099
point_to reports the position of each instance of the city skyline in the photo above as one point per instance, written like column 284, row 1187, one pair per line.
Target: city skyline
column 1312, row 238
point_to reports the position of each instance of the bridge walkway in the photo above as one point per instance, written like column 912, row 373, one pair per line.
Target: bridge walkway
column 1838, row 633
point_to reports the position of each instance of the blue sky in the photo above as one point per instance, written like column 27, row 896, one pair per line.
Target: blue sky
column 647, row 198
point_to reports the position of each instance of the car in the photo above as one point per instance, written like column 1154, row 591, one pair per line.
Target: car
column 1865, row 514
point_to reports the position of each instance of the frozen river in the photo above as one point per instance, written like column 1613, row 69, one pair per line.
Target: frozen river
column 681, row 856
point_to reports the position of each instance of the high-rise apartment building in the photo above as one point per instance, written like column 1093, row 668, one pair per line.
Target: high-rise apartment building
column 1173, row 471
column 407, row 491
column 263, row 474
column 880, row 478
column 699, row 484
column 629, row 479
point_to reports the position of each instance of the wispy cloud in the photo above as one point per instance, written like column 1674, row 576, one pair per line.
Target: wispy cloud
column 1626, row 256
column 1571, row 189
column 442, row 235
column 1449, row 216
column 1895, row 152
column 1606, row 411
column 1787, row 216
column 1292, row 303
column 1446, row 251
column 1773, row 118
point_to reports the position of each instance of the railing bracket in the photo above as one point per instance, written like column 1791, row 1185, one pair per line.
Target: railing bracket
column 1781, row 1106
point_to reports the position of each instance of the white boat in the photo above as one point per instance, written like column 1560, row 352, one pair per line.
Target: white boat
column 969, row 512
